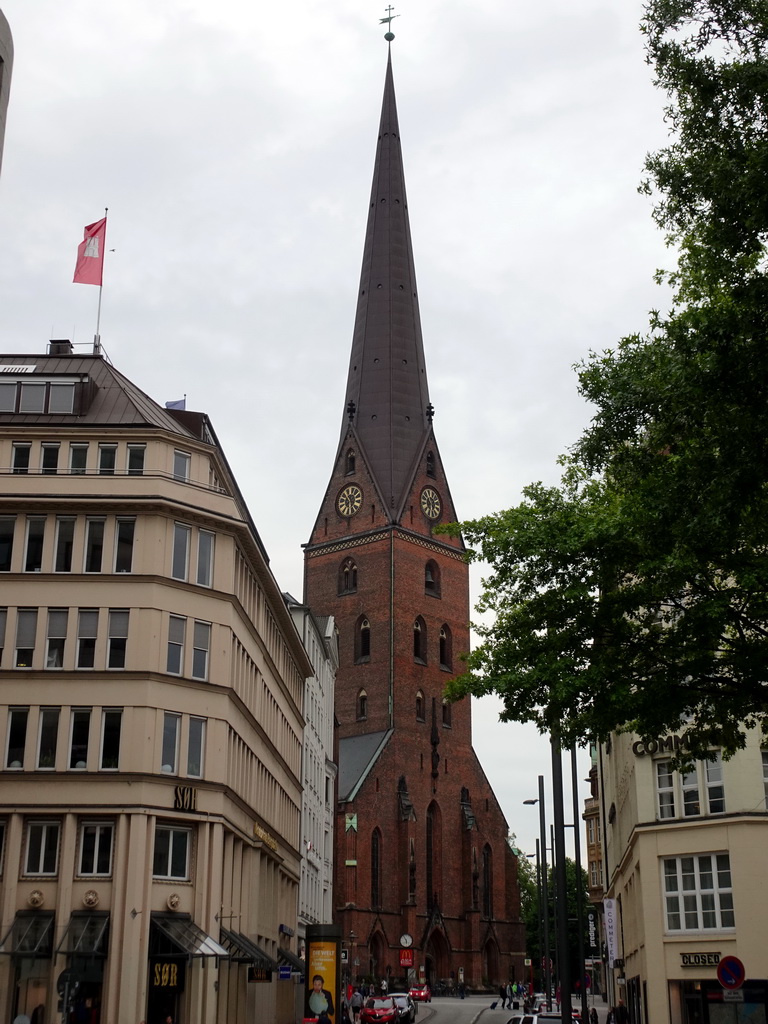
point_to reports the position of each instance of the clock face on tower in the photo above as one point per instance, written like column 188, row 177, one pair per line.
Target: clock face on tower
column 349, row 501
column 430, row 503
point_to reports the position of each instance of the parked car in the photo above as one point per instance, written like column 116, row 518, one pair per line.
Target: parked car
column 421, row 993
column 406, row 1007
column 379, row 1010
column 545, row 1017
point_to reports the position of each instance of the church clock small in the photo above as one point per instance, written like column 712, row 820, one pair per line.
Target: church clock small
column 349, row 501
column 430, row 503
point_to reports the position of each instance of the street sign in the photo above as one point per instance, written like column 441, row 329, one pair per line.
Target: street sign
column 731, row 972
column 345, row 956
column 68, row 979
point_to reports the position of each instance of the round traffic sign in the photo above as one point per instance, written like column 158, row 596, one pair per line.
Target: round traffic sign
column 731, row 972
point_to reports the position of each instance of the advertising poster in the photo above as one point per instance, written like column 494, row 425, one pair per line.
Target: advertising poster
column 321, row 979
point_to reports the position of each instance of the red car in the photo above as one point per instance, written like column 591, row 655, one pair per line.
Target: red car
column 422, row 993
column 379, row 1010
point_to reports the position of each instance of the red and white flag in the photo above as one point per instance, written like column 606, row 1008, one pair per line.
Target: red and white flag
column 89, row 268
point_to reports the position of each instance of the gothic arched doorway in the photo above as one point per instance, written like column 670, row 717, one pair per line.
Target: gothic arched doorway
column 491, row 963
column 437, row 955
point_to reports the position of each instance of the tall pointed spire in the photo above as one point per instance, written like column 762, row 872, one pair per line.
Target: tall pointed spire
column 387, row 374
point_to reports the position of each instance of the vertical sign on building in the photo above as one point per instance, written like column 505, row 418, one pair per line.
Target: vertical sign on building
column 609, row 906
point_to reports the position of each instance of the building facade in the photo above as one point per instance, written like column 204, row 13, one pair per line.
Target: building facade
column 6, row 66
column 152, row 690
column 319, row 773
column 425, row 880
column 684, row 870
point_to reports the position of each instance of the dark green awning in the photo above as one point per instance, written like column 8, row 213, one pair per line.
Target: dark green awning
column 285, row 956
column 243, row 950
column 30, row 935
column 86, row 934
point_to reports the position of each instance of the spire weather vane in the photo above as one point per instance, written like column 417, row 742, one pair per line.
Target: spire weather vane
column 389, row 36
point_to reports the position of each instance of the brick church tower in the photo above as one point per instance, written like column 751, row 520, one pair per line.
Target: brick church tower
column 425, row 883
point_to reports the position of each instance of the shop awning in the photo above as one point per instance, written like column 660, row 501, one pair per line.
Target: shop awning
column 30, row 935
column 243, row 950
column 86, row 934
column 285, row 956
column 182, row 932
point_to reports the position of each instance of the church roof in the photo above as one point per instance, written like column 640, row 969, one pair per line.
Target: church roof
column 387, row 379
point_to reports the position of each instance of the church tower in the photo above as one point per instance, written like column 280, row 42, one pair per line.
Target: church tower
column 425, row 884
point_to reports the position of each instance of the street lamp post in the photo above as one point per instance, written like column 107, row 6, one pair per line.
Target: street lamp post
column 564, row 966
column 544, row 888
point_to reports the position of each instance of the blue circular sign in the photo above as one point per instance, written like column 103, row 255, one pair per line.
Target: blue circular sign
column 731, row 972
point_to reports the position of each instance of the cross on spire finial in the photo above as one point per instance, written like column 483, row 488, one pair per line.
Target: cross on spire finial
column 389, row 36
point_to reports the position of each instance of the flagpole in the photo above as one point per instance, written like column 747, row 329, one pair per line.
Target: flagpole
column 97, row 336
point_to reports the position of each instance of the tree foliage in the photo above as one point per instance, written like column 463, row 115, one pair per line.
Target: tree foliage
column 634, row 595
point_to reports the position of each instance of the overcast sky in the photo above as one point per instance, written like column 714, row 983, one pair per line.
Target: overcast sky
column 233, row 143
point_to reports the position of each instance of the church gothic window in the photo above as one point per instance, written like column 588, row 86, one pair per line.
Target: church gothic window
column 350, row 462
column 446, row 659
column 420, row 641
column 430, row 463
column 362, row 705
column 487, row 882
column 419, row 706
column 446, row 713
column 433, row 852
column 432, row 578
column 348, row 576
column 362, row 640
column 376, row 868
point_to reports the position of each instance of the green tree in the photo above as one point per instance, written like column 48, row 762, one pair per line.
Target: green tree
column 634, row 595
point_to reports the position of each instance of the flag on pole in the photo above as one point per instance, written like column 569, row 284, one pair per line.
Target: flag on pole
column 89, row 268
column 181, row 403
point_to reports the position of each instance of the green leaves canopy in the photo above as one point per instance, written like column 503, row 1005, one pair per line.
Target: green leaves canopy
column 634, row 594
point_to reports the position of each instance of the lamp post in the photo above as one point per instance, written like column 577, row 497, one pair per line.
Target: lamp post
column 577, row 857
column 544, row 888
column 561, row 889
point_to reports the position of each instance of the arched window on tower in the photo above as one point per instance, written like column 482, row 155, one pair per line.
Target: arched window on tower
column 376, row 869
column 362, row 705
column 487, row 882
column 362, row 640
column 446, row 653
column 434, row 856
column 349, row 465
column 419, row 706
column 420, row 641
column 446, row 713
column 430, row 463
column 348, row 576
column 432, row 578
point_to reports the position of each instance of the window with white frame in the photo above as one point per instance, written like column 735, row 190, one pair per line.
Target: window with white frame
column 107, row 459
column 26, row 631
column 595, row 873
column 33, row 554
column 111, row 728
column 590, row 831
column 124, row 531
column 201, row 646
column 56, row 638
column 79, row 735
column 118, row 637
column 65, row 538
column 171, row 855
column 96, row 840
column 32, row 397
column 181, row 463
column 698, row 894
column 176, row 629
column 204, row 558
column 17, row 737
column 48, row 738
column 7, row 529
column 78, row 459
column 698, row 791
column 94, row 544
column 87, row 631
column 169, row 756
column 21, row 458
column 196, row 747
column 49, row 459
column 42, row 848
column 180, row 558
column 136, row 459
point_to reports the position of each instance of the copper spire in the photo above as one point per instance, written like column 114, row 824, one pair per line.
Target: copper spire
column 387, row 375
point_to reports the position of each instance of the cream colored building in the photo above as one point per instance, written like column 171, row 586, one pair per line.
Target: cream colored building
column 685, row 867
column 152, row 690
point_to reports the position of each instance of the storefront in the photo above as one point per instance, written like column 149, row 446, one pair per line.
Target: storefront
column 175, row 944
column 29, row 944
